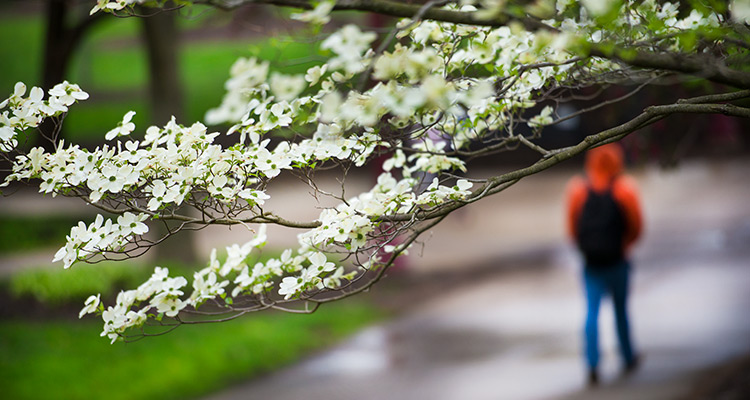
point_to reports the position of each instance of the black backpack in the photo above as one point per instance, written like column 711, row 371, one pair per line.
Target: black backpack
column 601, row 228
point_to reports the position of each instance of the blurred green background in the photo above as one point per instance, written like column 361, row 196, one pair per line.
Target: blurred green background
column 111, row 64
column 46, row 351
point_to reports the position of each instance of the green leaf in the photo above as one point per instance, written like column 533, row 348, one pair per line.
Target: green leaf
column 709, row 6
column 627, row 54
column 608, row 48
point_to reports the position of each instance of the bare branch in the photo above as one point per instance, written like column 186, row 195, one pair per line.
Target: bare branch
column 603, row 103
column 717, row 98
column 702, row 65
column 726, row 109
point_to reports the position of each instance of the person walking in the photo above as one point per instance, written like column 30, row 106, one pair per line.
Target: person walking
column 604, row 218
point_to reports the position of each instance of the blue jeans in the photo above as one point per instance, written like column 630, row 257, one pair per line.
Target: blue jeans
column 599, row 282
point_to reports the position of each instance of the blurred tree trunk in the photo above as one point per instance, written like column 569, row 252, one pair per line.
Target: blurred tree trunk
column 58, row 44
column 62, row 39
column 66, row 28
column 161, row 40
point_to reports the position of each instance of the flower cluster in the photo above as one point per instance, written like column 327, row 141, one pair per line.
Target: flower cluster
column 114, row 5
column 28, row 112
column 100, row 236
column 164, row 296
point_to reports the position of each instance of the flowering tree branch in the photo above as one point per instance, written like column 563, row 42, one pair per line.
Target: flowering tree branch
column 460, row 81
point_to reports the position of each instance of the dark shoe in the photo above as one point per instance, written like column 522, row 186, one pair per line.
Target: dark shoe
column 593, row 378
column 633, row 365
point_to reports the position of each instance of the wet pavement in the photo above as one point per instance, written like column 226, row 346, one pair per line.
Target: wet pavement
column 517, row 337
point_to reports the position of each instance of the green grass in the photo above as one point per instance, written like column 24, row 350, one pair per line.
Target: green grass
column 56, row 285
column 68, row 360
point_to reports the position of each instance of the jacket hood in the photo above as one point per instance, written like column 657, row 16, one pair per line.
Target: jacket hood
column 604, row 163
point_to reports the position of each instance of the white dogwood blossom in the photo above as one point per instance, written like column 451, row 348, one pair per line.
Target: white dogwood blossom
column 91, row 305
column 318, row 15
column 123, row 128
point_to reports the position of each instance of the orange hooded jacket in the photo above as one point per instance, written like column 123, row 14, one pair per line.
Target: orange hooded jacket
column 604, row 165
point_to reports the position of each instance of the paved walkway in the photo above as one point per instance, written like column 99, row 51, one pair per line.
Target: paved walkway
column 516, row 335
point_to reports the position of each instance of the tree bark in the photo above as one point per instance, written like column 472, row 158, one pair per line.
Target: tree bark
column 57, row 44
column 61, row 42
column 161, row 41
